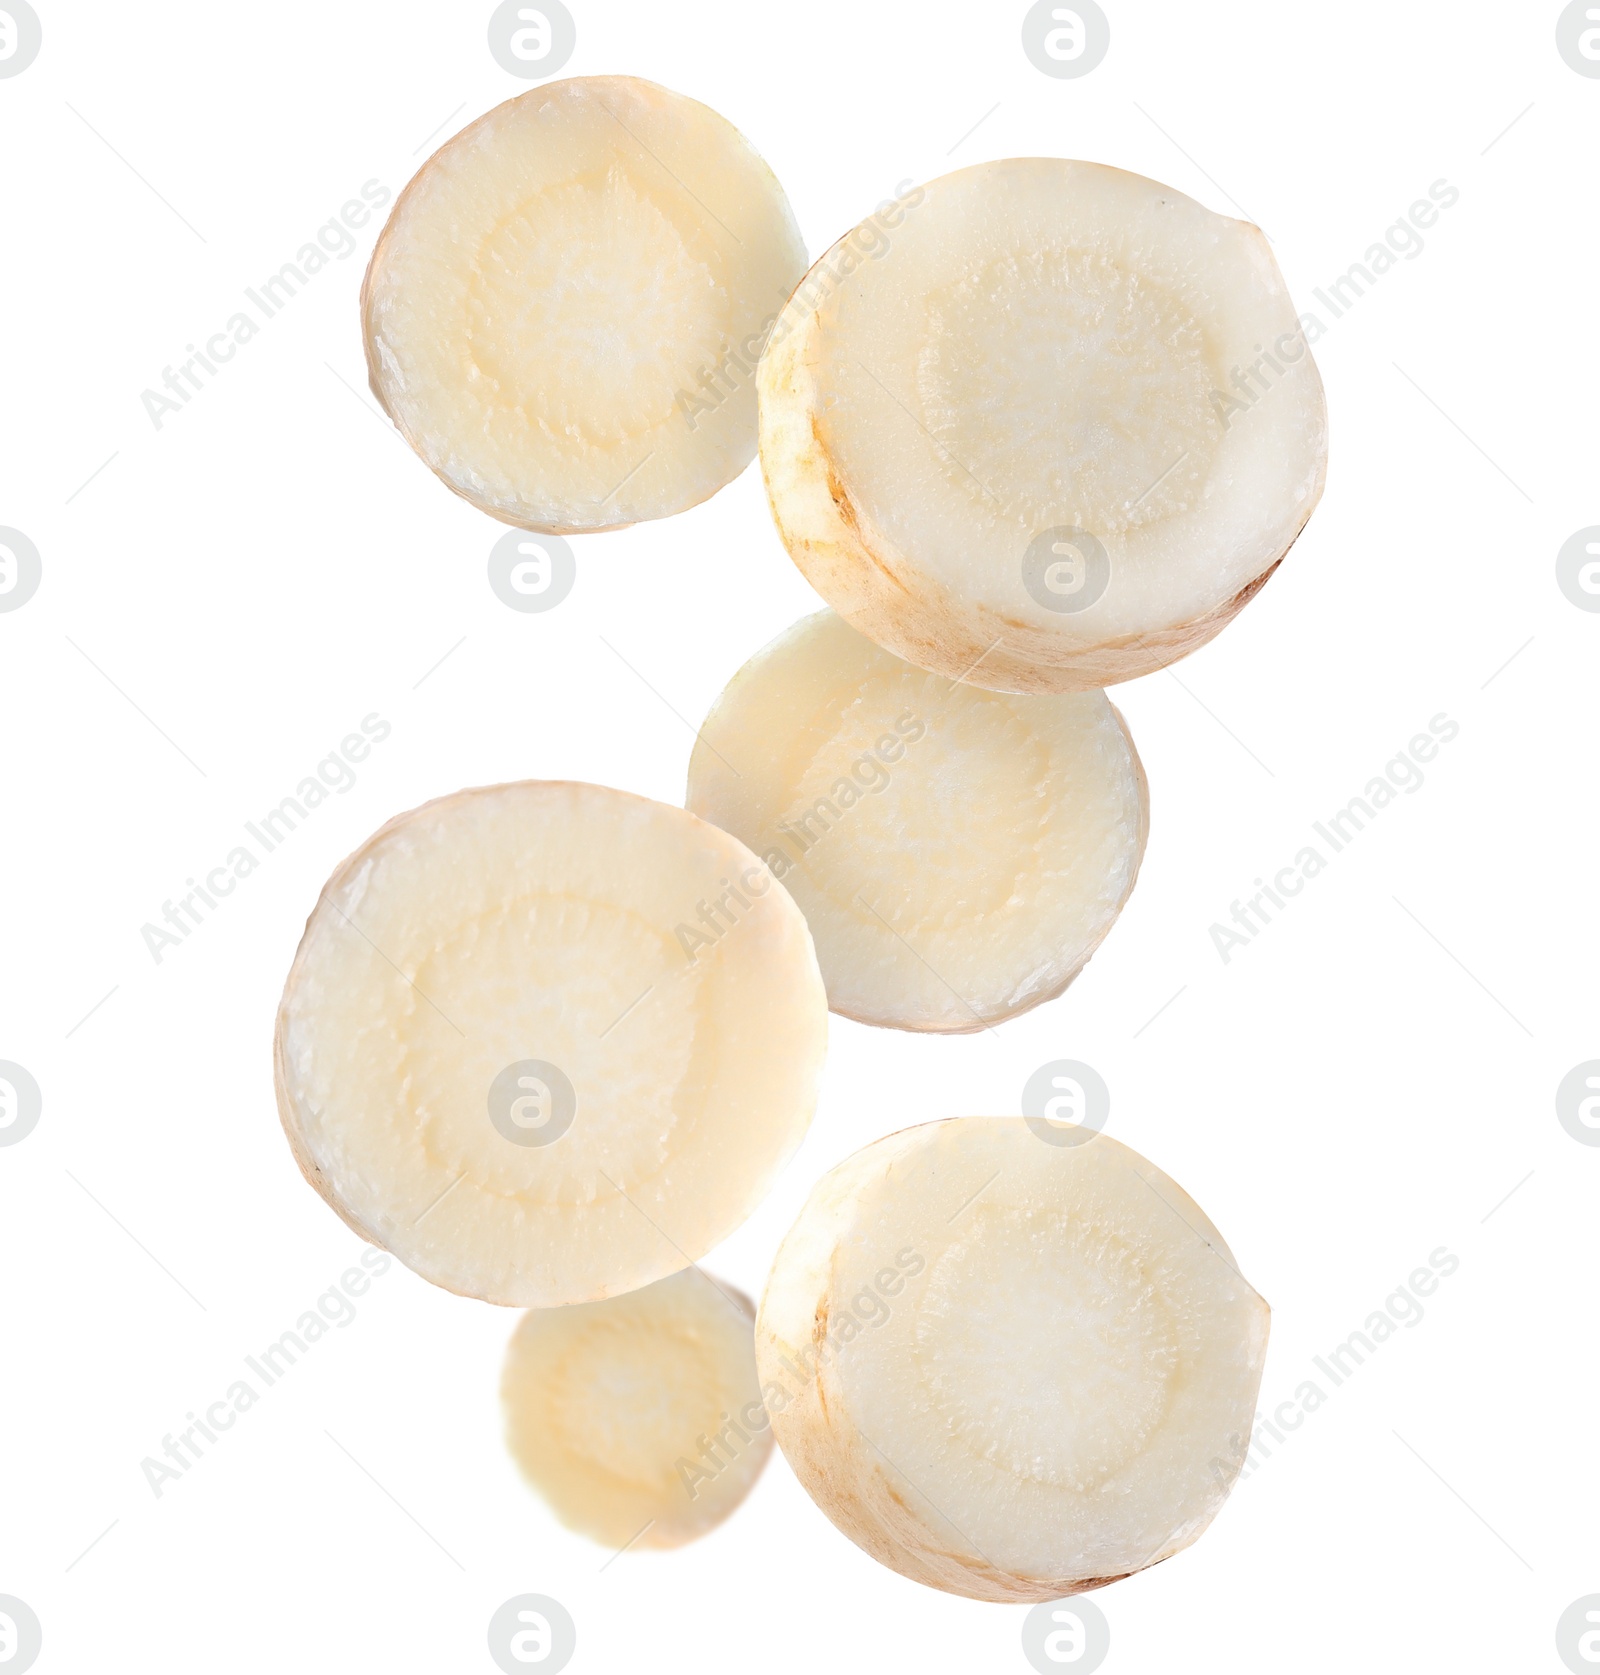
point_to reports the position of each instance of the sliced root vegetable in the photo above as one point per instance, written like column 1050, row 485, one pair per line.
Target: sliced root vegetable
column 959, row 854
column 639, row 1418
column 1055, row 435
column 1009, row 1367
column 497, row 1058
column 564, row 312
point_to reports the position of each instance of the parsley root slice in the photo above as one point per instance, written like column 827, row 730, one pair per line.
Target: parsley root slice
column 564, row 312
column 1050, row 433
column 496, row 1059
column 958, row 853
column 1009, row 1368
column 639, row 1419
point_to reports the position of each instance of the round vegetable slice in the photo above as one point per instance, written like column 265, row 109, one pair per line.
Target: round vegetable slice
column 958, row 853
column 564, row 312
column 639, row 1419
column 1006, row 1366
column 500, row 1057
column 1054, row 436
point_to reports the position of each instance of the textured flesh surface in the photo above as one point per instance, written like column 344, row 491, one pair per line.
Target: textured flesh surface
column 1052, row 1344
column 1044, row 345
column 554, row 302
column 607, row 1405
column 540, row 922
column 958, row 853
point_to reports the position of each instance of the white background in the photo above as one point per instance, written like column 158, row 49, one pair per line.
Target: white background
column 1364, row 1083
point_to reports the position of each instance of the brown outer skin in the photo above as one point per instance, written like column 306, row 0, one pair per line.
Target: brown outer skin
column 874, row 1514
column 838, row 549
column 368, row 333
column 1089, row 953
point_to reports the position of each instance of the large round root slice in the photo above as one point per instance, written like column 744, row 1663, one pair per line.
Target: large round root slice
column 1008, row 1367
column 501, row 1057
column 639, row 1419
column 958, row 853
column 565, row 310
column 1054, row 436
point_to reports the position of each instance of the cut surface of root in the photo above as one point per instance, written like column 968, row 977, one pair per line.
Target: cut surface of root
column 639, row 1418
column 1007, row 1366
column 958, row 853
column 1053, row 437
column 564, row 312
column 500, row 1056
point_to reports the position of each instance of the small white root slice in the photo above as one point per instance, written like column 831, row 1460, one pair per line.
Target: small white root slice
column 1008, row 1368
column 497, row 1058
column 1053, row 437
column 640, row 1413
column 958, row 854
column 564, row 312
